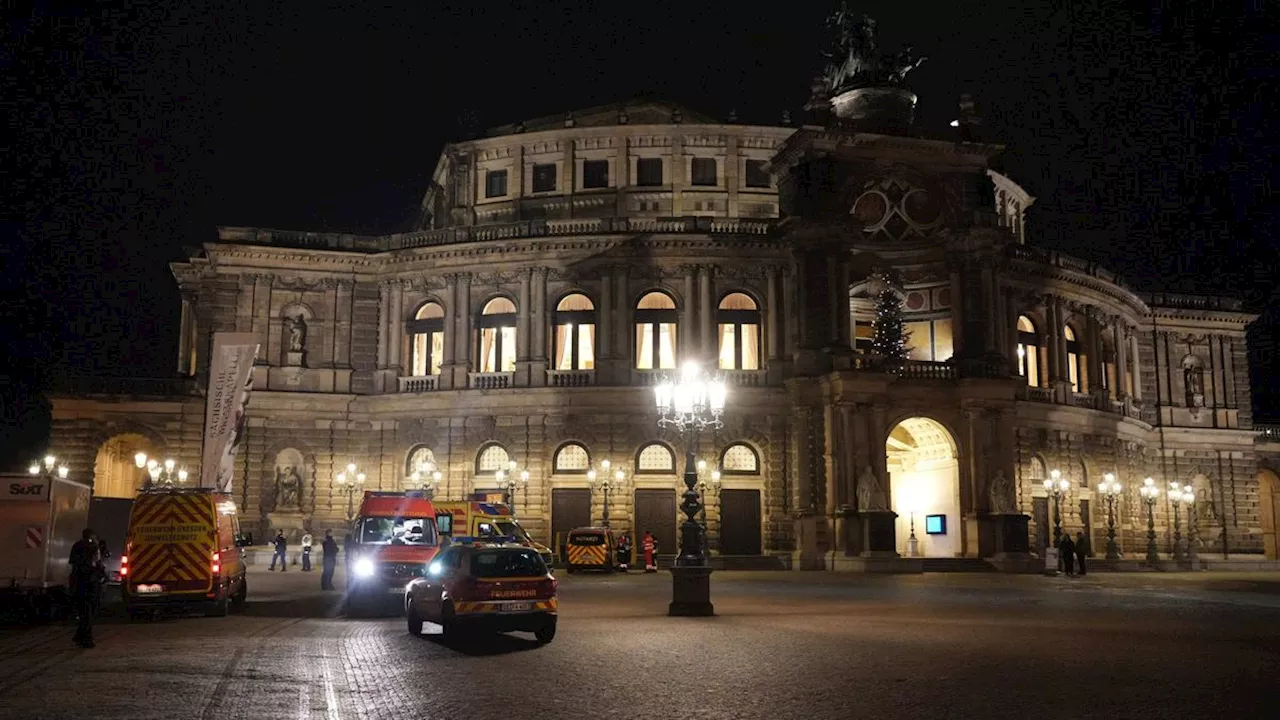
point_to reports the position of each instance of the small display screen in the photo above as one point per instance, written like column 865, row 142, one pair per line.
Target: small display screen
column 935, row 524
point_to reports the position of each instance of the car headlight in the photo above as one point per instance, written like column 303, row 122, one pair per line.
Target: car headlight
column 364, row 567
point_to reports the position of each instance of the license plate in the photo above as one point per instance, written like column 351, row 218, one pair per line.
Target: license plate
column 148, row 589
column 517, row 607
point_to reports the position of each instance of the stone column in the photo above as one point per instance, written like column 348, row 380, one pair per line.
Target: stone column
column 1135, row 366
column 384, row 323
column 1053, row 338
column 706, row 314
column 604, row 331
column 622, row 313
column 538, row 369
column 990, row 296
column 462, row 340
column 958, row 315
column 1120, row 339
column 522, row 319
column 261, row 316
column 395, row 359
column 1012, row 311
column 450, row 329
column 787, row 306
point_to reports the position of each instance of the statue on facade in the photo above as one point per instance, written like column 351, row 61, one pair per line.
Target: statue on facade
column 870, row 495
column 297, row 333
column 1000, row 494
column 288, row 488
column 853, row 61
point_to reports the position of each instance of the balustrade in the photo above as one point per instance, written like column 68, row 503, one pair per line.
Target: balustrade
column 421, row 383
column 490, row 380
column 571, row 378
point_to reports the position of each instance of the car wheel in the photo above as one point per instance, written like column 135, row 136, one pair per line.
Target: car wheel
column 449, row 625
column 220, row 608
column 546, row 633
column 241, row 597
column 414, row 620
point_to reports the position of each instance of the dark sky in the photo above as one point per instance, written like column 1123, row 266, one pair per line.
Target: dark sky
column 142, row 126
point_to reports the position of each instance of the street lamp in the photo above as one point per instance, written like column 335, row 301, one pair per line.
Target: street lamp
column 607, row 482
column 1193, row 533
column 350, row 482
column 50, row 468
column 1057, row 486
column 1150, row 493
column 689, row 404
column 425, row 480
column 1175, row 499
column 1110, row 489
column 509, row 481
column 156, row 472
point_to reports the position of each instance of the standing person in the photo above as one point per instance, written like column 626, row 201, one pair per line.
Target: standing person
column 87, row 574
column 306, row 552
column 329, row 558
column 1083, row 548
column 650, row 546
column 281, row 545
column 624, row 552
column 1068, row 554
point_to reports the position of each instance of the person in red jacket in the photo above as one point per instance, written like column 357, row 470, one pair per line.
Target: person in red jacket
column 650, row 546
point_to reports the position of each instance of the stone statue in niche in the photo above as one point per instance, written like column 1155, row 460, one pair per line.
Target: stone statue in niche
column 297, row 333
column 1194, row 378
column 870, row 495
column 288, row 488
column 1001, row 495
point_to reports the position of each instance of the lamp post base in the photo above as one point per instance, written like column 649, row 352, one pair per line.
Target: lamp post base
column 691, row 592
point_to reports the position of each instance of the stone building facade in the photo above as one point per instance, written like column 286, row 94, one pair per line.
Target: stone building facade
column 562, row 265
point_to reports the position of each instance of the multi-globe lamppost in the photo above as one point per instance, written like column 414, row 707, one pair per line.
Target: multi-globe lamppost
column 350, row 482
column 509, row 480
column 1175, row 499
column 1110, row 489
column 426, row 478
column 1150, row 493
column 1057, row 486
column 690, row 404
column 160, row 473
column 50, row 467
column 1193, row 533
column 607, row 482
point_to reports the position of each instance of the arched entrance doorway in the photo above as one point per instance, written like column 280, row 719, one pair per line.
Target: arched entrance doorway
column 115, row 474
column 1269, row 506
column 924, row 486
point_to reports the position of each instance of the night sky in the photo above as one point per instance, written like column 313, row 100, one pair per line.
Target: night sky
column 140, row 127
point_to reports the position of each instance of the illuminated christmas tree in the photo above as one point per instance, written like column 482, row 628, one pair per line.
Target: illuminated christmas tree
column 890, row 341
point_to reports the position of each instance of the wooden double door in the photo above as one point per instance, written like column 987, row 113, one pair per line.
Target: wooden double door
column 656, row 512
column 740, row 522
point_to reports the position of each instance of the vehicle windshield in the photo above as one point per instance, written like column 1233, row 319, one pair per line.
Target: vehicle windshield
column 398, row 531
column 507, row 563
column 511, row 528
column 587, row 539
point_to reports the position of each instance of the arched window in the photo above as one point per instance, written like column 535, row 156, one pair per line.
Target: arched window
column 1082, row 474
column 656, row 458
column 492, row 458
column 656, row 321
column 739, row 319
column 1075, row 370
column 740, row 459
column 1028, row 351
column 572, row 458
column 426, row 340
column 1036, row 470
column 422, row 460
column 575, row 321
column 496, row 336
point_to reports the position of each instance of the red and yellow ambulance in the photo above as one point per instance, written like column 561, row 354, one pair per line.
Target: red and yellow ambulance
column 392, row 541
column 487, row 520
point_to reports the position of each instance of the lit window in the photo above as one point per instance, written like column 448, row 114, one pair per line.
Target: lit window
column 655, row 458
column 740, row 458
column 421, row 460
column 929, row 339
column 572, row 458
column 739, row 319
column 1028, row 351
column 426, row 340
column 1074, row 369
column 575, row 323
column 496, row 336
column 492, row 458
column 656, row 321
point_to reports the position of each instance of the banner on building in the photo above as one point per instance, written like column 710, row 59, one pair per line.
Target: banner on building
column 230, row 382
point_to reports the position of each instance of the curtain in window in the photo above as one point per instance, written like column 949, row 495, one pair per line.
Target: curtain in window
column 419, row 354
column 489, row 350
column 586, row 347
column 667, row 346
column 508, row 349
column 728, row 347
column 644, row 347
column 564, row 344
column 750, row 347
column 437, row 351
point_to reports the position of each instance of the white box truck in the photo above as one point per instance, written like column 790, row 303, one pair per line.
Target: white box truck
column 40, row 519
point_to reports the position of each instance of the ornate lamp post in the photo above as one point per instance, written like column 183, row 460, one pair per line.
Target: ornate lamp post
column 709, row 486
column 607, row 482
column 1110, row 489
column 350, row 482
column 1193, row 533
column 509, row 480
column 1175, row 499
column 165, row 473
column 689, row 404
column 426, row 479
column 1150, row 493
column 49, row 468
column 1057, row 486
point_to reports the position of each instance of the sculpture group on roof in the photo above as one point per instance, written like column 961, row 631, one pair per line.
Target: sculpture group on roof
column 854, row 62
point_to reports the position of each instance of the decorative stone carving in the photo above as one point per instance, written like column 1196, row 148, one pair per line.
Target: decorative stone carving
column 871, row 497
column 289, row 467
column 1000, row 494
column 297, row 333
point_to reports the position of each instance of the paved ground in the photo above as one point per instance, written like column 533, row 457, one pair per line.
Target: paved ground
column 803, row 645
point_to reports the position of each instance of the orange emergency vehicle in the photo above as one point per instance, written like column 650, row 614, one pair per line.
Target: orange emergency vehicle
column 486, row 520
column 591, row 548
column 183, row 548
column 392, row 541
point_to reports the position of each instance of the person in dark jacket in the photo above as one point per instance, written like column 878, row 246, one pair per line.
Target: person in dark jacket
column 329, row 558
column 1068, row 554
column 87, row 576
column 281, row 546
column 1082, row 550
column 624, row 552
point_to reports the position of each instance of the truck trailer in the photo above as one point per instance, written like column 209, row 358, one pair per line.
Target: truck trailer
column 41, row 517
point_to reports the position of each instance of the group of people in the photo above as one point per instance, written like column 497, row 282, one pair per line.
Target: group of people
column 648, row 545
column 328, row 556
column 1073, row 552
